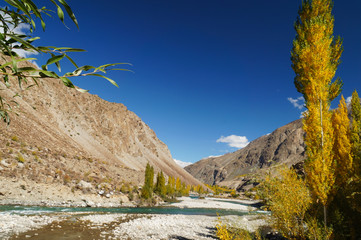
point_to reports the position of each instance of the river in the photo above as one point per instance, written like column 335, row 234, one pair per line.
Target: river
column 188, row 219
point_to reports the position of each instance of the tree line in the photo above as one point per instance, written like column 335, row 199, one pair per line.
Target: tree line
column 167, row 191
column 324, row 202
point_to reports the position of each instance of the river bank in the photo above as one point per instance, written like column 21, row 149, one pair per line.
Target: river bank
column 90, row 225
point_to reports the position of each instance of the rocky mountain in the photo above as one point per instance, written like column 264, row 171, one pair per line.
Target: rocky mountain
column 63, row 136
column 284, row 145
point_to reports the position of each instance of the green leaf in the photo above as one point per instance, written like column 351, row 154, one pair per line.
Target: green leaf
column 27, row 69
column 70, row 12
column 85, row 68
column 55, row 59
column 58, row 66
column 67, row 82
column 22, row 41
column 50, row 74
column 75, row 50
column 110, row 80
column 60, row 14
column 43, row 25
column 71, row 60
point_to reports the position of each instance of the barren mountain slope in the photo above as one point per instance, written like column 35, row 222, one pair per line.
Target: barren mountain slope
column 63, row 136
column 284, row 145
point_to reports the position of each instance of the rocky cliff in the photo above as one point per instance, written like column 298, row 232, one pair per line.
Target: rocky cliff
column 284, row 145
column 63, row 136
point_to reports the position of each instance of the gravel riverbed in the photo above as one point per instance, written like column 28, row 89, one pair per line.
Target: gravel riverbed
column 90, row 225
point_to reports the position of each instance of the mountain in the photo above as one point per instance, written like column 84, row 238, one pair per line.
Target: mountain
column 284, row 145
column 63, row 136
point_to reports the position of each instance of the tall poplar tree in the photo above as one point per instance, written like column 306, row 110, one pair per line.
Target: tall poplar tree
column 356, row 152
column 342, row 144
column 315, row 57
column 147, row 188
column 356, row 131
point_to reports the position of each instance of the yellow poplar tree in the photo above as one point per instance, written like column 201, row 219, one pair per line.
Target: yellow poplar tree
column 315, row 57
column 342, row 144
column 355, row 197
column 356, row 131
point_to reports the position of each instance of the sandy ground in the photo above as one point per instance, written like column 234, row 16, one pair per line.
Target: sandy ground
column 86, row 226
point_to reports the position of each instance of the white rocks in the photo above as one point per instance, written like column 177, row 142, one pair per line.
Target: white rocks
column 4, row 163
column 167, row 226
column 83, row 185
column 14, row 224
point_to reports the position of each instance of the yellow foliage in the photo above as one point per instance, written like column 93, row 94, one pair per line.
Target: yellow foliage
column 224, row 233
column 315, row 57
column 342, row 145
column 288, row 199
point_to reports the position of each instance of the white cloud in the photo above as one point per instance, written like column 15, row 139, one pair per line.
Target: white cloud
column 23, row 29
column 181, row 163
column 297, row 102
column 212, row 156
column 234, row 141
column 348, row 100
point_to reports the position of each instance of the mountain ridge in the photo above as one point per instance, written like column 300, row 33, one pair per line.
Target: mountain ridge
column 63, row 136
column 283, row 146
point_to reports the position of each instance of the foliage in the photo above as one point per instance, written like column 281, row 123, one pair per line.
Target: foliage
column 160, row 188
column 356, row 131
column 20, row 13
column 288, row 197
column 342, row 144
column 225, row 232
column 20, row 158
column 315, row 57
column 147, row 189
column 317, row 230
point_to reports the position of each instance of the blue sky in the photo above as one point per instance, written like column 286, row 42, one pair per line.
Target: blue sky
column 202, row 69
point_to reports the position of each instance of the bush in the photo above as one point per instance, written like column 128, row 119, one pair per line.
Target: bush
column 288, row 198
column 15, row 138
column 20, row 158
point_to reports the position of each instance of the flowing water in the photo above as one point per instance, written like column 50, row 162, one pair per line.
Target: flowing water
column 36, row 210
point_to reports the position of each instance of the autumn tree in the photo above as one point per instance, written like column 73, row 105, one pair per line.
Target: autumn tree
column 315, row 57
column 356, row 131
column 288, row 198
column 342, row 143
column 355, row 182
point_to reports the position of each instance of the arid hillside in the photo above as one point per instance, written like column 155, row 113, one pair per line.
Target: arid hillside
column 63, row 136
column 284, row 145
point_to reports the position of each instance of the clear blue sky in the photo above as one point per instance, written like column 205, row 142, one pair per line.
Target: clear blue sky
column 202, row 69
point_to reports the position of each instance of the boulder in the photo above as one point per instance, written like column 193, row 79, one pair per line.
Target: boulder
column 85, row 186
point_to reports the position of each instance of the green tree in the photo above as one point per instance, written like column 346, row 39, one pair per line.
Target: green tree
column 315, row 57
column 147, row 188
column 171, row 186
column 160, row 187
column 17, row 13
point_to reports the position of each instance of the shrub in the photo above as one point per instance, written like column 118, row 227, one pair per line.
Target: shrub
column 288, row 198
column 66, row 179
column 15, row 138
column 20, row 158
